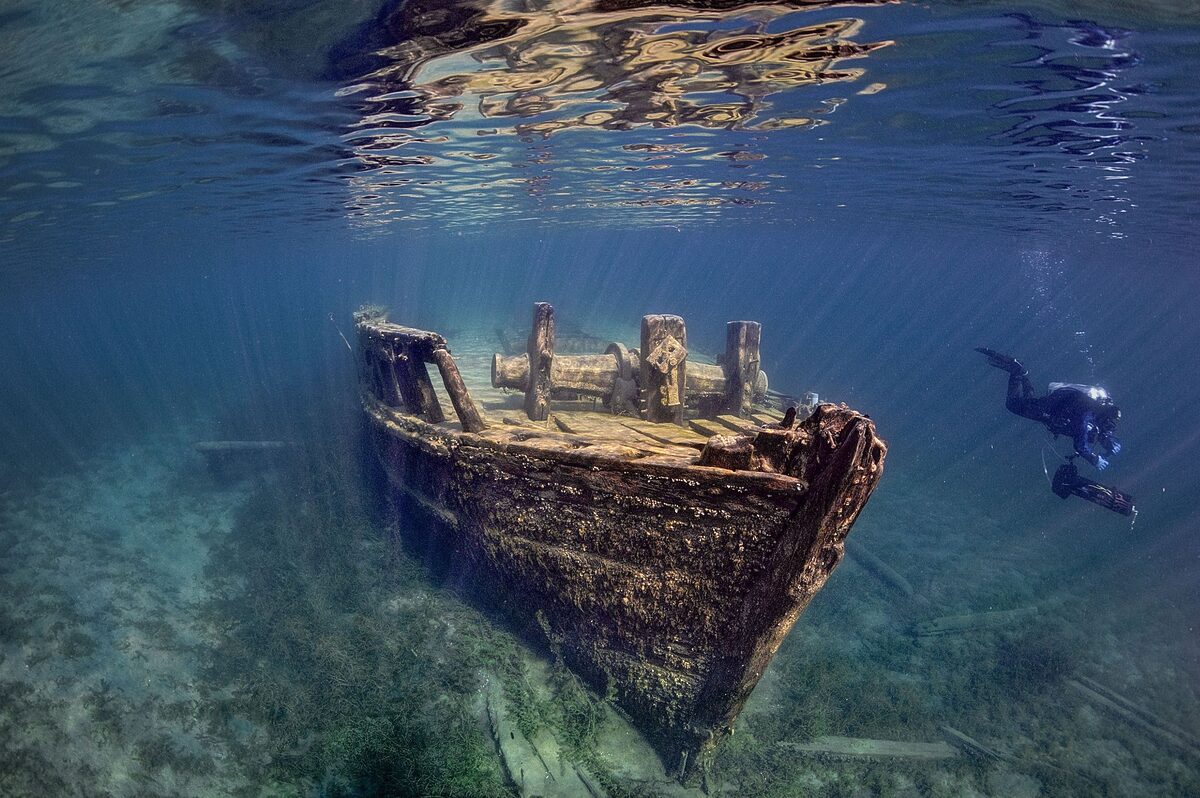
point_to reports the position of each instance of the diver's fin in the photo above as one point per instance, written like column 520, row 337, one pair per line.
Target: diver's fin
column 1009, row 364
column 1067, row 482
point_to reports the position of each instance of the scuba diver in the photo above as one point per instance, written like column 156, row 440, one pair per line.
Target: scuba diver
column 1085, row 413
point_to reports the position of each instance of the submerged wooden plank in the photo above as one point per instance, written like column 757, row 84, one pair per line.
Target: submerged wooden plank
column 460, row 397
column 427, row 505
column 422, row 342
column 970, row 746
column 957, row 624
column 418, row 375
column 585, row 423
column 707, row 427
column 864, row 748
column 667, row 433
column 520, row 421
column 736, row 423
column 225, row 447
column 536, row 771
column 1136, row 715
column 607, row 427
column 765, row 416
column 879, row 569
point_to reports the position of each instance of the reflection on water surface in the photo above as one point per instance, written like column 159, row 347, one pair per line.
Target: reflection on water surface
column 457, row 76
column 588, row 112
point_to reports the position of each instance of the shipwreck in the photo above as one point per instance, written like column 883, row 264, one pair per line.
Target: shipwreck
column 647, row 511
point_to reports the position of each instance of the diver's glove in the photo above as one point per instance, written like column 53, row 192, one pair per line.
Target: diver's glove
column 1009, row 364
column 1114, row 445
column 1100, row 463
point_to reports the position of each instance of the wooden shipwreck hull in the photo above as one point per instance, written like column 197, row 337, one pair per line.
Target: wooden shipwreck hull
column 667, row 564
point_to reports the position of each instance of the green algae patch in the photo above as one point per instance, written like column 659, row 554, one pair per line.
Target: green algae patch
column 337, row 668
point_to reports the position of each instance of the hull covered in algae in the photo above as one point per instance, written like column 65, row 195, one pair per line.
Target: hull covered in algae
column 666, row 583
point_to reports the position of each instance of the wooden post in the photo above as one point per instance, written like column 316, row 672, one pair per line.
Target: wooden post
column 663, row 364
column 459, row 396
column 540, row 350
column 385, row 371
column 410, row 368
column 742, row 340
column 429, row 401
column 374, row 374
column 404, row 379
column 368, row 374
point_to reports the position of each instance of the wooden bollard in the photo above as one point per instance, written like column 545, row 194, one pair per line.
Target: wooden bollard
column 595, row 375
column 459, row 396
column 570, row 375
column 742, row 339
column 540, row 350
column 663, row 381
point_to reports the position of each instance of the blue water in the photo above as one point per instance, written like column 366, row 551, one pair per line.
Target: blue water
column 194, row 197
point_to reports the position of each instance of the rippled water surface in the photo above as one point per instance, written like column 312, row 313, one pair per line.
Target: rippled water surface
column 631, row 113
column 195, row 195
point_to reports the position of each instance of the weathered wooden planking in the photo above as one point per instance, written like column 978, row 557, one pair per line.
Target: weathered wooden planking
column 1136, row 715
column 536, row 771
column 879, row 569
column 583, row 436
column 422, row 342
column 411, row 368
column 737, row 424
column 520, row 421
column 970, row 746
column 226, row 447
column 838, row 748
column 672, row 582
column 765, row 416
column 958, row 624
column 666, row 433
column 595, row 425
column 708, row 427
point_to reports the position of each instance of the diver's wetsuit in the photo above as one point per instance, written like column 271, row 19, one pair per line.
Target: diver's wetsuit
column 1067, row 410
column 1083, row 412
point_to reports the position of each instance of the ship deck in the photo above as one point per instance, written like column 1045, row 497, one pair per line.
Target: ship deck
column 573, row 422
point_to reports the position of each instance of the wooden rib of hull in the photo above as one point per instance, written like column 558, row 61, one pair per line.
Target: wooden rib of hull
column 671, row 583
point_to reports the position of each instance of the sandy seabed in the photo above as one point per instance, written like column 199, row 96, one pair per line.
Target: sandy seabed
column 100, row 645
column 107, row 639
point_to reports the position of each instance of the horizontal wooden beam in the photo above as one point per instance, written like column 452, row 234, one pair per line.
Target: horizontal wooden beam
column 420, row 343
